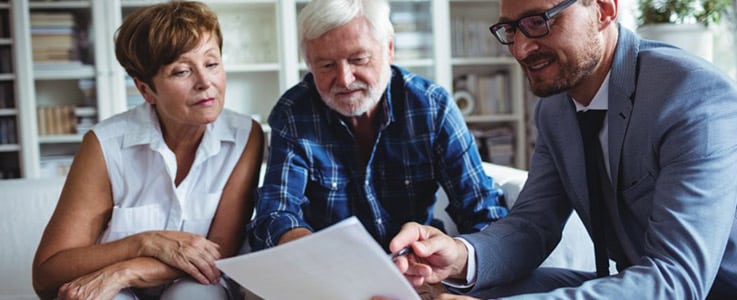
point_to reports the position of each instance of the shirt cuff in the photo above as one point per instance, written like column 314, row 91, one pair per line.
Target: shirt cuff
column 470, row 269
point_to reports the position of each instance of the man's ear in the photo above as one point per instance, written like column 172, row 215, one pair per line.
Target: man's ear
column 390, row 48
column 145, row 90
column 607, row 12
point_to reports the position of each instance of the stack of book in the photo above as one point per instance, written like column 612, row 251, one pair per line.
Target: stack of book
column 7, row 172
column 412, row 31
column 52, row 38
column 56, row 120
column 471, row 38
column 6, row 95
column 496, row 145
column 6, row 60
column 493, row 94
column 8, row 132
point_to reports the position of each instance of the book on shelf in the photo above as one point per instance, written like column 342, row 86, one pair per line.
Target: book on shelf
column 496, row 145
column 65, row 65
column 6, row 95
column 53, row 37
column 55, row 19
column 6, row 60
column 405, row 21
column 494, row 89
column 52, row 41
column 8, row 132
column 7, row 172
column 471, row 38
column 56, row 120
column 409, row 45
column 4, row 24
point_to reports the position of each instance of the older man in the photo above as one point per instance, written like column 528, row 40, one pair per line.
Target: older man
column 361, row 137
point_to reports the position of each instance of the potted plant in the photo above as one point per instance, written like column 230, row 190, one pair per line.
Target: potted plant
column 682, row 11
column 683, row 23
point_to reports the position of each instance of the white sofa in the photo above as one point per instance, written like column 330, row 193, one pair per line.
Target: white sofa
column 25, row 208
column 575, row 250
column 27, row 204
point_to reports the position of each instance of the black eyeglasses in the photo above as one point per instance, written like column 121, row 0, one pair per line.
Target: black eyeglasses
column 533, row 26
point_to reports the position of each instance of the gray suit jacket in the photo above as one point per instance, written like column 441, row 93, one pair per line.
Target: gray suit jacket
column 673, row 154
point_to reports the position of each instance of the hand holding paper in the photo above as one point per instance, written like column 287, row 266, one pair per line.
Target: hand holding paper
column 339, row 262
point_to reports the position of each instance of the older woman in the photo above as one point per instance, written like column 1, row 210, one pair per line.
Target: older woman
column 158, row 193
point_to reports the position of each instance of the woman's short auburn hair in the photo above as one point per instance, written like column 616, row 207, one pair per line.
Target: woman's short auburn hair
column 156, row 35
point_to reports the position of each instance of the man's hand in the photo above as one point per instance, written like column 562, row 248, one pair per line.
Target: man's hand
column 294, row 234
column 435, row 256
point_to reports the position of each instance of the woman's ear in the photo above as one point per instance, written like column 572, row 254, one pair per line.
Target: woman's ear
column 146, row 91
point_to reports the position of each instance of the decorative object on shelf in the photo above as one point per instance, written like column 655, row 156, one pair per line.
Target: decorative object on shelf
column 465, row 102
column 683, row 23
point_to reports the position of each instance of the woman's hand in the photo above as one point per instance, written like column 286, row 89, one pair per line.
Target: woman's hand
column 188, row 252
column 102, row 284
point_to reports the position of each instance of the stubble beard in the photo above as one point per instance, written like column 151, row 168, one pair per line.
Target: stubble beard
column 571, row 74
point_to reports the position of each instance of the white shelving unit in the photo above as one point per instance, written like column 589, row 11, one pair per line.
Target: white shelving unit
column 10, row 147
column 262, row 60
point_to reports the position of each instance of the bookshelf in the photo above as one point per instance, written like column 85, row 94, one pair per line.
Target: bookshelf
column 446, row 41
column 487, row 84
column 10, row 148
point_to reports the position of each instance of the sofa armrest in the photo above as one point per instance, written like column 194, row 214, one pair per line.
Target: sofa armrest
column 27, row 205
column 510, row 180
column 575, row 250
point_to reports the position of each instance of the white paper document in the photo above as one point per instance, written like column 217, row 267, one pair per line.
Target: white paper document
column 339, row 262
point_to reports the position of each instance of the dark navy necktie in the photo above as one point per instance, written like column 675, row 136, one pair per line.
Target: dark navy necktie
column 590, row 123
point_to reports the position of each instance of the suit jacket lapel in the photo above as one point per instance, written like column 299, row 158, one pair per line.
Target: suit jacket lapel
column 622, row 87
column 622, row 83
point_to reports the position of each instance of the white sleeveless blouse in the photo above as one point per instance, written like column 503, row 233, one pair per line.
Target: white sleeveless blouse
column 142, row 170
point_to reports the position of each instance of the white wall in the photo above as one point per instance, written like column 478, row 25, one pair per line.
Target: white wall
column 725, row 36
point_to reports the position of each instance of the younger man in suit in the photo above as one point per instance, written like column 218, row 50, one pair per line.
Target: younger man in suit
column 661, row 202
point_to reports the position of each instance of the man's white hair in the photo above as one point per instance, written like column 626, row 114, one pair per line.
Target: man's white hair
column 321, row 16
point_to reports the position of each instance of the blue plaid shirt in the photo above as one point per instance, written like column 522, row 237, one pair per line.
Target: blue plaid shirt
column 315, row 179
